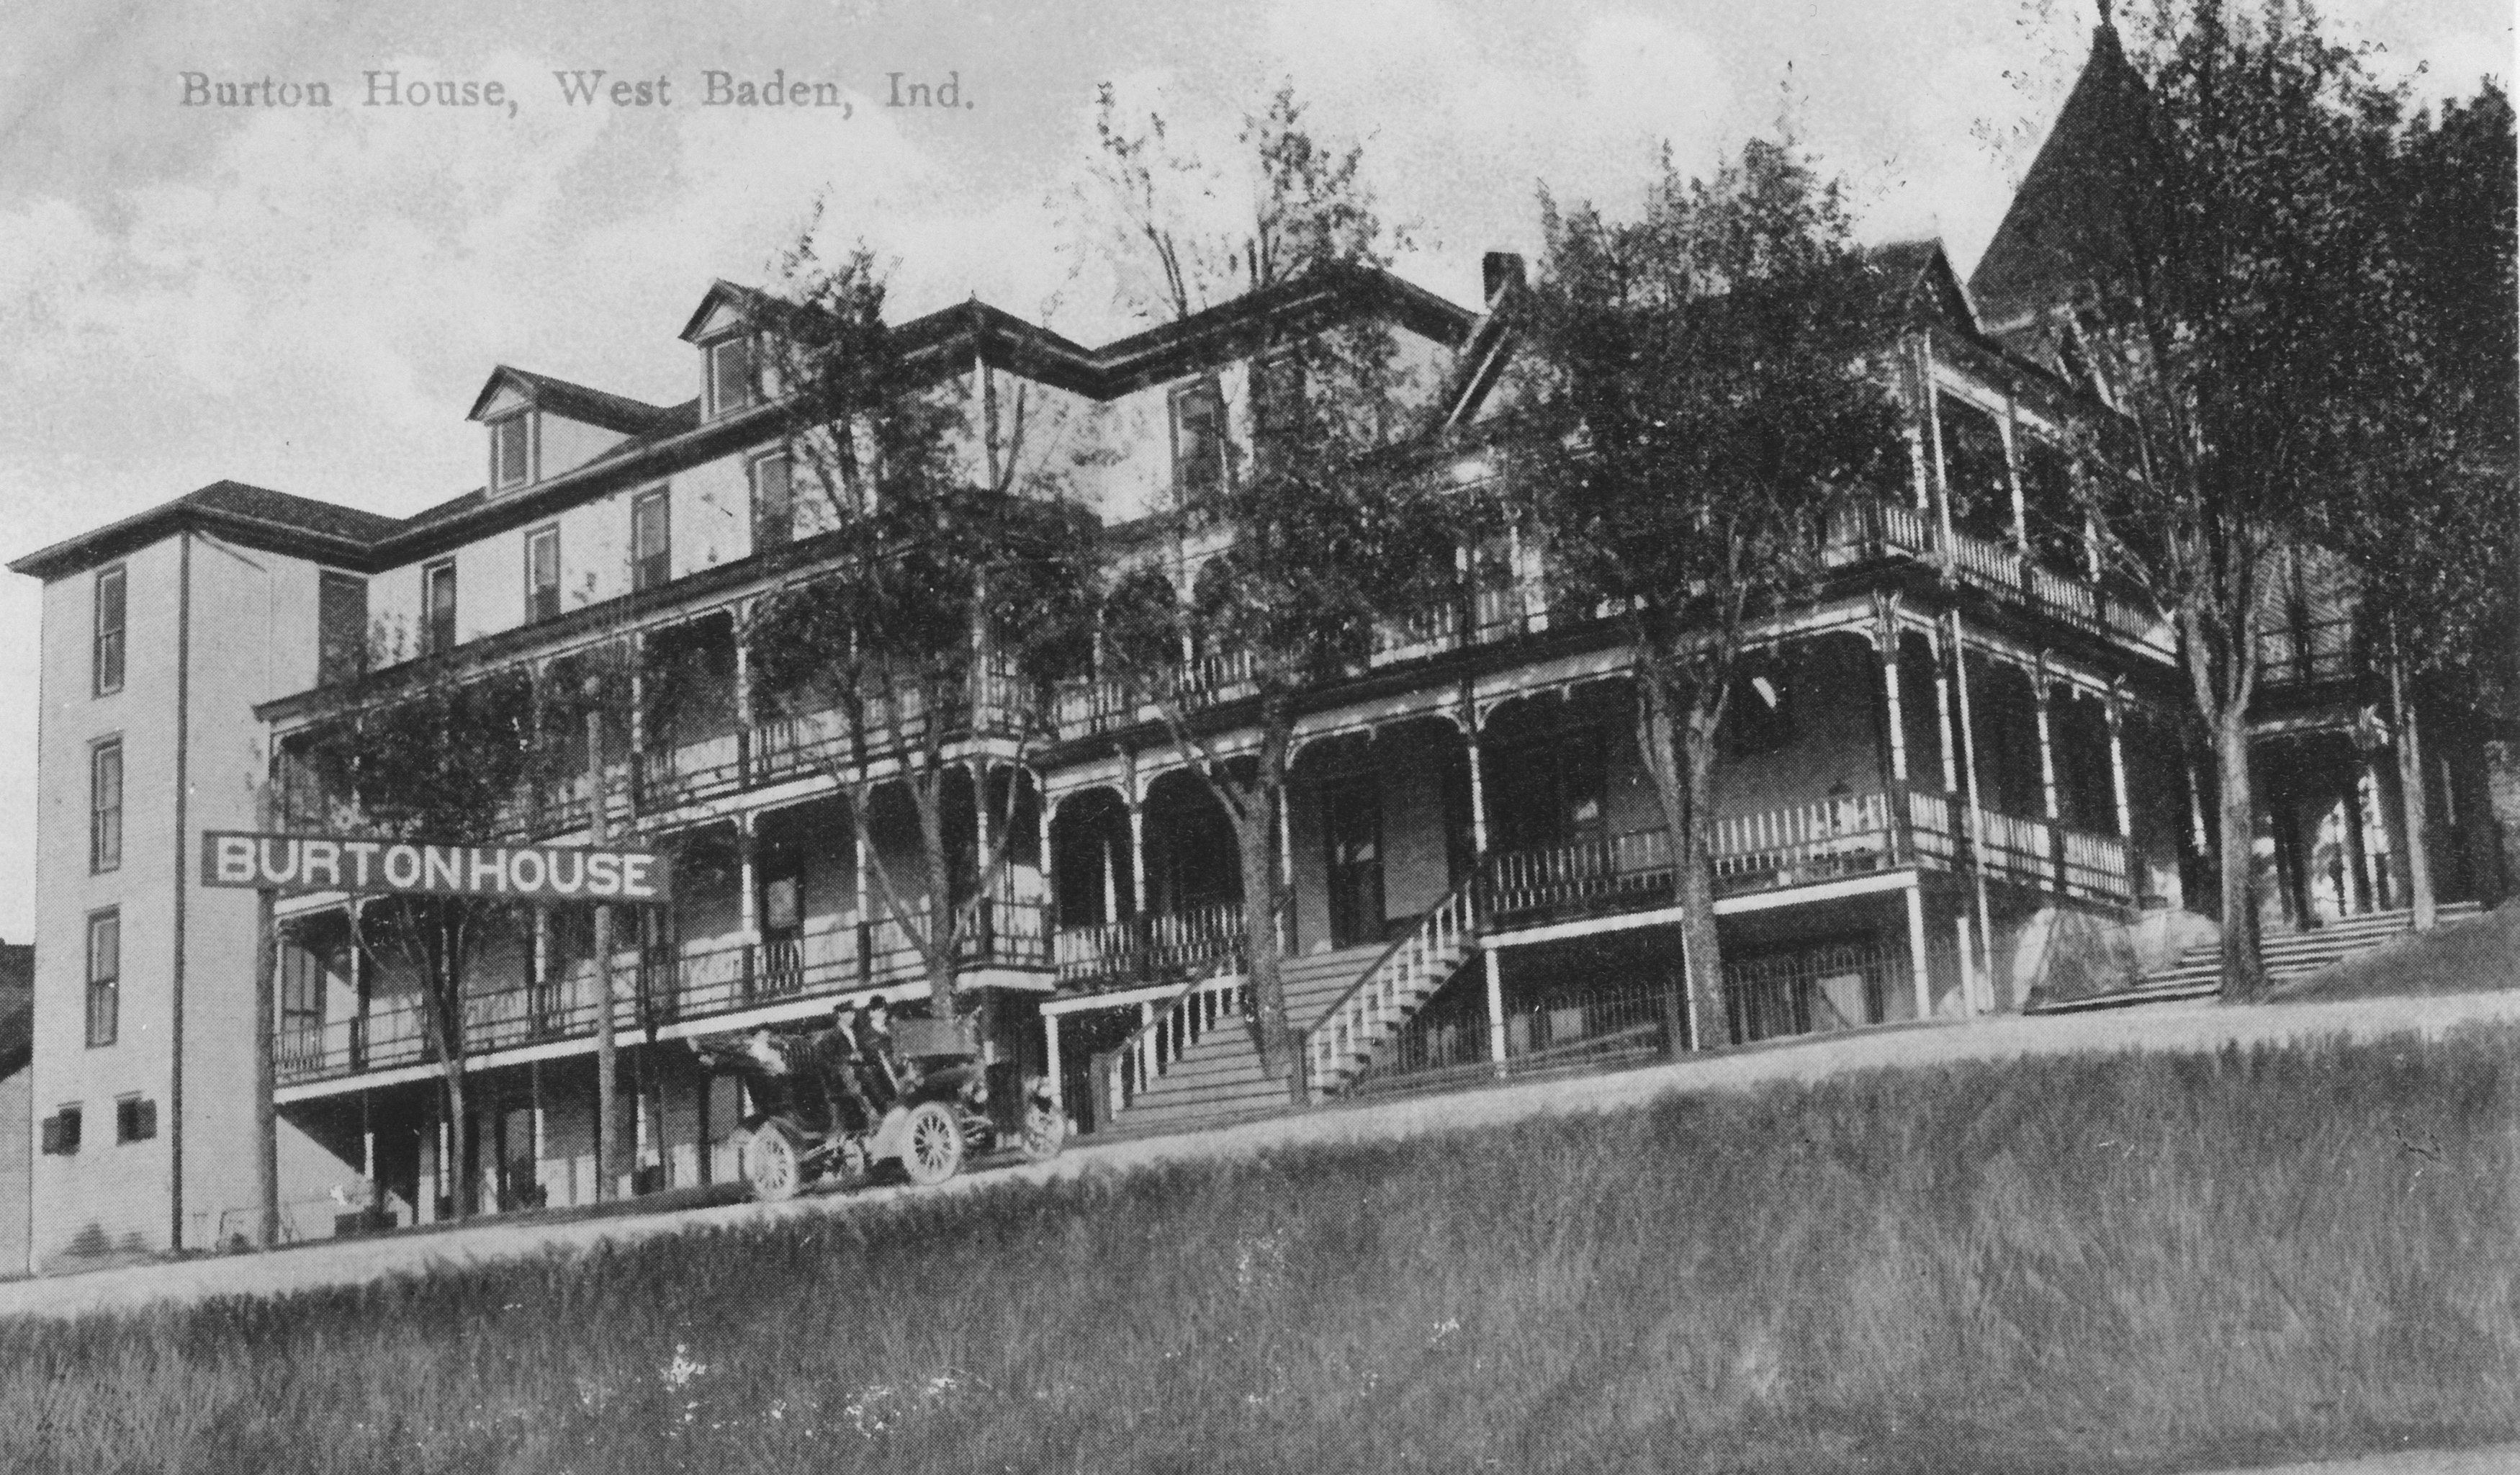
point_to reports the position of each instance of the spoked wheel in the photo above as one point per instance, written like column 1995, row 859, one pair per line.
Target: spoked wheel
column 772, row 1165
column 931, row 1143
column 1045, row 1131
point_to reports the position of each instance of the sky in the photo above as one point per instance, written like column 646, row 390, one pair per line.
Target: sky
column 309, row 299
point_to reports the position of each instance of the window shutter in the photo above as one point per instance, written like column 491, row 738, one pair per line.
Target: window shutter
column 52, row 1136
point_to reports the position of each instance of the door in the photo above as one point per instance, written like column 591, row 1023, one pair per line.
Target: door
column 1352, row 832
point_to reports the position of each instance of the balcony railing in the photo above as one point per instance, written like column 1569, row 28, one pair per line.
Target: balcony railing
column 2310, row 654
column 659, row 987
column 666, row 774
column 1801, row 844
column 1500, row 612
column 1153, row 949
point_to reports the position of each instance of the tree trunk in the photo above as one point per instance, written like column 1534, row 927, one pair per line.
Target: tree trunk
column 1265, row 974
column 1676, row 742
column 2410, row 787
column 2243, row 971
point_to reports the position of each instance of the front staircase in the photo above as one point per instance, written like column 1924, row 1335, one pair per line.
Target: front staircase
column 1197, row 1066
column 2197, row 973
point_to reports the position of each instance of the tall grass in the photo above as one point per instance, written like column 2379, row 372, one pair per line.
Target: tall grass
column 2070, row 1264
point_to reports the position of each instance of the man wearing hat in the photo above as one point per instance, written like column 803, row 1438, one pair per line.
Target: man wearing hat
column 834, row 1053
column 870, row 1028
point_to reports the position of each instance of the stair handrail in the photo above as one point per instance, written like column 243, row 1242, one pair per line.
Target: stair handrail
column 1437, row 920
column 1107, row 1064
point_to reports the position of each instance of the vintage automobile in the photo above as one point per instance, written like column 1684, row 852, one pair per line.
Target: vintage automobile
column 810, row 1120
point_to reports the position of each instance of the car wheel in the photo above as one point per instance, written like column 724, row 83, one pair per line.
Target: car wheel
column 772, row 1165
column 931, row 1144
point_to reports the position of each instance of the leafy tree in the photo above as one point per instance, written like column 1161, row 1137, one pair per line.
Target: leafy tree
column 2235, row 289
column 440, row 763
column 1314, row 536
column 1710, row 397
column 2432, row 521
column 954, row 585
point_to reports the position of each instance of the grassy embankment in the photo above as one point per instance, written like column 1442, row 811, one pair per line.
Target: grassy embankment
column 2064, row 1264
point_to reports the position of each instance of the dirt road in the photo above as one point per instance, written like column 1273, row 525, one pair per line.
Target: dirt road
column 2190, row 1027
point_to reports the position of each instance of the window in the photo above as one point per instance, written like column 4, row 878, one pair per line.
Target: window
column 301, row 989
column 111, row 586
column 135, row 1119
column 340, row 628
column 729, row 375
column 511, row 451
column 1198, row 441
column 652, row 548
column 105, row 807
column 62, row 1131
column 542, row 574
column 437, row 608
column 774, row 507
column 103, row 977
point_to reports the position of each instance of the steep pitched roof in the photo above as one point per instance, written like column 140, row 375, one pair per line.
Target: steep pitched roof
column 2062, row 224
column 576, row 401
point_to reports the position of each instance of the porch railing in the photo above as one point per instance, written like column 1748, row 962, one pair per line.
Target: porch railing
column 1799, row 845
column 1153, row 947
column 661, row 986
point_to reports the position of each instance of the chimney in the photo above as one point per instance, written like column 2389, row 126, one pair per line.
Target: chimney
column 1498, row 270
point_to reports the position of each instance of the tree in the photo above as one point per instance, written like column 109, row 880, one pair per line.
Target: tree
column 955, row 586
column 1711, row 397
column 442, row 763
column 2432, row 522
column 2233, row 293
column 1319, row 536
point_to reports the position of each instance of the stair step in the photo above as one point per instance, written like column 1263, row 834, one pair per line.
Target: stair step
column 2199, row 970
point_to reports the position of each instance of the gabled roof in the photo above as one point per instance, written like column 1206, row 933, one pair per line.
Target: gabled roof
column 574, row 401
column 2062, row 225
column 255, row 516
column 747, row 301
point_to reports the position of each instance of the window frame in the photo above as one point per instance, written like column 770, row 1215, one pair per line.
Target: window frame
column 104, row 818
column 537, row 608
column 1208, row 388
column 103, row 992
column 110, row 647
column 135, row 1119
column 62, row 1129
column 434, row 641
column 642, row 576
column 526, row 426
column 786, row 521
column 749, row 390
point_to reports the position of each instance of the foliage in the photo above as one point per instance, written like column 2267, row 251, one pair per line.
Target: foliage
column 1711, row 399
column 2432, row 519
column 955, row 565
column 2108, row 1263
column 2234, row 295
column 1315, row 531
column 442, row 762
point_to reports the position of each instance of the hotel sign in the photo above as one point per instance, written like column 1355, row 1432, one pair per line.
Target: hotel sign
column 299, row 863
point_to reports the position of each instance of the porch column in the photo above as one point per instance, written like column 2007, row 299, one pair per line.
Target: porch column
column 1978, row 980
column 374, row 1195
column 862, row 853
column 1898, row 722
column 2013, row 474
column 743, row 701
column 748, row 877
column 1489, row 961
column 1919, row 981
column 2046, row 743
column 1137, row 849
column 1050, row 1033
column 1048, row 894
column 535, row 1095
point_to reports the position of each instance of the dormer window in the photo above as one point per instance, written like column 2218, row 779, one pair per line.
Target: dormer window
column 729, row 375
column 511, row 451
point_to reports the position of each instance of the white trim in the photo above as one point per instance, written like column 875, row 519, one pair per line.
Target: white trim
column 1727, row 907
column 1152, row 993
